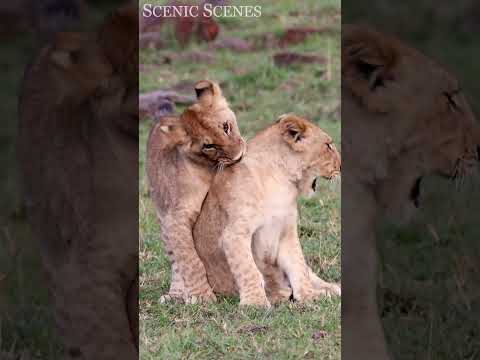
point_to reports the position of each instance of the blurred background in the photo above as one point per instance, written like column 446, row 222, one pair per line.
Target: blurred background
column 430, row 270
column 444, row 30
column 25, row 318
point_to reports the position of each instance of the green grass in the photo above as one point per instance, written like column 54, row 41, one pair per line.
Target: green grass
column 430, row 276
column 258, row 92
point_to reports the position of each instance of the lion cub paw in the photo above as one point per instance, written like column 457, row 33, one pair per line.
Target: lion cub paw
column 257, row 301
column 280, row 296
column 200, row 298
column 313, row 294
column 171, row 298
column 329, row 290
column 333, row 289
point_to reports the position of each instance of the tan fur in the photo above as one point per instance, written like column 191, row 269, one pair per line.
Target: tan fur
column 398, row 125
column 180, row 170
column 79, row 168
column 118, row 40
column 122, row 28
column 246, row 234
column 75, row 65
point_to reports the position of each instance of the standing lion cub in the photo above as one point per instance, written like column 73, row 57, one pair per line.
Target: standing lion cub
column 246, row 234
column 183, row 155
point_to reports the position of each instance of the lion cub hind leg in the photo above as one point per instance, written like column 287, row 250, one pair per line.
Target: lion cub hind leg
column 330, row 289
column 189, row 277
column 236, row 243
column 292, row 262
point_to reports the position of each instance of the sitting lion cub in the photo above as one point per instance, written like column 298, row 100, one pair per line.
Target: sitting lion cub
column 183, row 155
column 246, row 234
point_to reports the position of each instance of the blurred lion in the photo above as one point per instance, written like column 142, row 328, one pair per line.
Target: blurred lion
column 78, row 156
column 404, row 117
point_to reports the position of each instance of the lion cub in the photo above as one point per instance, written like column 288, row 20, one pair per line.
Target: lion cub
column 246, row 234
column 183, row 155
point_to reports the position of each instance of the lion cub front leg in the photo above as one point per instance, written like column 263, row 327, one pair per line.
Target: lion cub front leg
column 177, row 288
column 189, row 277
column 236, row 243
column 276, row 284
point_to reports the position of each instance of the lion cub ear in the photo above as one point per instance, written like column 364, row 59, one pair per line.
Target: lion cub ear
column 208, row 92
column 294, row 130
column 172, row 128
column 368, row 60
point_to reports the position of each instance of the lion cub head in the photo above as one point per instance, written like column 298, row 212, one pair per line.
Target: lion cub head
column 407, row 116
column 78, row 66
column 311, row 149
column 100, row 68
column 207, row 131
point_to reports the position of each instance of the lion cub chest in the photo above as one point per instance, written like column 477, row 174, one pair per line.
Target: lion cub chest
column 278, row 212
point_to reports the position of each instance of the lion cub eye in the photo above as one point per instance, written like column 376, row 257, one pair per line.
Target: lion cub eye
column 208, row 147
column 226, row 128
column 329, row 146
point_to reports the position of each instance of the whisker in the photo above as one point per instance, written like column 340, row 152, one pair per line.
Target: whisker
column 220, row 167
